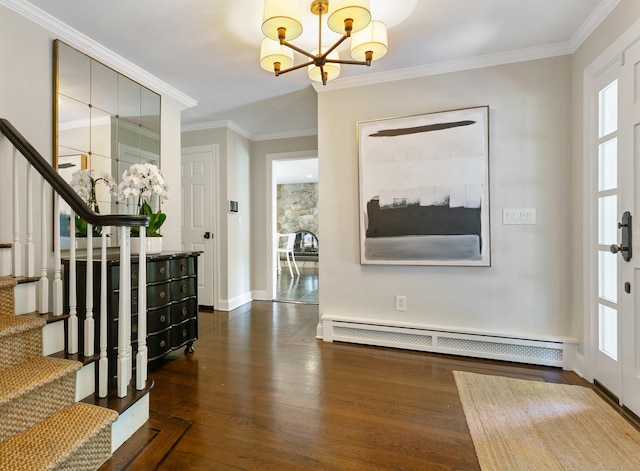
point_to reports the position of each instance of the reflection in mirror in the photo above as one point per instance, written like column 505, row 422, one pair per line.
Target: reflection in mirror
column 103, row 122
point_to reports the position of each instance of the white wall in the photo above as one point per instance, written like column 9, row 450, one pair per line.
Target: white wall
column 527, row 288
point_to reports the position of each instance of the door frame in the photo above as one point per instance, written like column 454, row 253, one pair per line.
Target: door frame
column 214, row 149
column 271, row 211
column 585, row 363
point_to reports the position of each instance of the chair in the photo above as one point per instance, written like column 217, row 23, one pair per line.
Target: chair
column 286, row 247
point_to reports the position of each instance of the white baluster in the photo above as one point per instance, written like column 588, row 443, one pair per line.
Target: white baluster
column 103, row 363
column 73, row 287
column 44, row 236
column 30, row 261
column 57, row 279
column 141, row 357
column 17, row 244
column 123, row 307
column 89, row 325
column 129, row 354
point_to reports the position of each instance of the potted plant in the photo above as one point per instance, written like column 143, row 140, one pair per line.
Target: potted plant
column 143, row 186
column 84, row 183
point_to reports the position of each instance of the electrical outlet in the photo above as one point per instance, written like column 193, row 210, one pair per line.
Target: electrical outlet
column 401, row 303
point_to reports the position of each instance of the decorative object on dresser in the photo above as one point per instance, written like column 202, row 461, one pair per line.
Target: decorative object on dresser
column 172, row 302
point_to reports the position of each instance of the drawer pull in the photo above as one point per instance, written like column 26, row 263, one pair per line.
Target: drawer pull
column 134, row 276
column 184, row 288
column 163, row 318
column 162, row 343
column 184, row 311
column 162, row 270
column 134, row 329
column 162, row 294
column 183, row 267
column 134, row 301
column 184, row 333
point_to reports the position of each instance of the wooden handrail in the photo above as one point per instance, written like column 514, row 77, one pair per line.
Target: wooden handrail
column 61, row 187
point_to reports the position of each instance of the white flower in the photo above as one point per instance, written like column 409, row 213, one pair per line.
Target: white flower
column 84, row 183
column 143, row 182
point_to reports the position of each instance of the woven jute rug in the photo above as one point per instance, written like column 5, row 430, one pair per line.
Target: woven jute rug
column 522, row 425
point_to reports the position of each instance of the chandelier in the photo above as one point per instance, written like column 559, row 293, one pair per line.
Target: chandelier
column 351, row 18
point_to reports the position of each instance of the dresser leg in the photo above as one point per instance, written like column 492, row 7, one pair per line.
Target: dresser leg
column 189, row 348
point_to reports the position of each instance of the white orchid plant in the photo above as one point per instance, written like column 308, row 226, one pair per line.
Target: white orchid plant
column 144, row 185
column 84, row 183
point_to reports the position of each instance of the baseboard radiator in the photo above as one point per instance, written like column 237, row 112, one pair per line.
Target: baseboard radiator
column 557, row 351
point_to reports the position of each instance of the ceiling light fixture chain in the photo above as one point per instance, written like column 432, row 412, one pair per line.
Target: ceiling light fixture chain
column 281, row 22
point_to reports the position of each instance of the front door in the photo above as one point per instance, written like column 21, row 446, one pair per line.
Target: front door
column 618, row 260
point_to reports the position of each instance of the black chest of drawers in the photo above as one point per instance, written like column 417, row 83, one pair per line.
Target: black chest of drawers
column 172, row 303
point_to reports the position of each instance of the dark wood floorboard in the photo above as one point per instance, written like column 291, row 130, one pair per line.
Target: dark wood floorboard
column 262, row 393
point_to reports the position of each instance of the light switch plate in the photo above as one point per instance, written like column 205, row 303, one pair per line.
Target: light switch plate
column 518, row 216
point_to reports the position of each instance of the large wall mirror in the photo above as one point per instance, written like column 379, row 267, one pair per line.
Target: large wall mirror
column 103, row 121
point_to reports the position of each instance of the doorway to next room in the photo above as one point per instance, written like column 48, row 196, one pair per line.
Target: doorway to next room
column 297, row 234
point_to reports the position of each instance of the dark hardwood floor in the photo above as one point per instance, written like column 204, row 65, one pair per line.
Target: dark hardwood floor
column 261, row 393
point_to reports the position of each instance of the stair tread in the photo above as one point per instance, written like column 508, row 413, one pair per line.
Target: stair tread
column 12, row 325
column 23, row 378
column 50, row 442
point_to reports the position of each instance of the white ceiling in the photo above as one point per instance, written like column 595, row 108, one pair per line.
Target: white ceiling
column 208, row 49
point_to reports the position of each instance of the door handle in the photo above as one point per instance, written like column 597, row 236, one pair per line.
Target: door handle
column 207, row 235
column 625, row 246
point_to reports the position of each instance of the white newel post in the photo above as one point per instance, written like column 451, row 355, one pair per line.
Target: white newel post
column 141, row 357
column 44, row 236
column 123, row 307
column 103, row 363
column 30, row 261
column 89, row 325
column 16, row 244
column 57, row 278
column 73, row 300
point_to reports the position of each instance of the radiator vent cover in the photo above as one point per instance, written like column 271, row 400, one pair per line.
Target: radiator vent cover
column 508, row 349
column 382, row 337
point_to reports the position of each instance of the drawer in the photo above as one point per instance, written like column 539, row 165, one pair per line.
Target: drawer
column 183, row 333
column 116, row 302
column 158, row 295
column 183, row 310
column 158, row 344
column 183, row 267
column 183, row 288
column 158, row 270
column 158, row 319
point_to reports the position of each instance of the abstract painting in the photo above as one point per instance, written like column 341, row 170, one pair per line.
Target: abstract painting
column 424, row 189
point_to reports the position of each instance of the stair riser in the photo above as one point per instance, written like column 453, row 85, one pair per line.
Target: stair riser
column 20, row 347
column 34, row 406
column 91, row 455
column 26, row 295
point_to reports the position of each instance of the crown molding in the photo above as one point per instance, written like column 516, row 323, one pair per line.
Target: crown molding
column 604, row 8
column 87, row 45
column 267, row 136
column 445, row 67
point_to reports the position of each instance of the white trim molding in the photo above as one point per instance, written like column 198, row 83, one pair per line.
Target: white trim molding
column 538, row 350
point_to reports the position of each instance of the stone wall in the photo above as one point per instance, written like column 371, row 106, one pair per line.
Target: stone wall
column 298, row 208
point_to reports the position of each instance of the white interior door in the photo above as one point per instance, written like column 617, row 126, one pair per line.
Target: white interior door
column 198, row 232
column 630, row 270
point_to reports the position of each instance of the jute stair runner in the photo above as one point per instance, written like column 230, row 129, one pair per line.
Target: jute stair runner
column 41, row 425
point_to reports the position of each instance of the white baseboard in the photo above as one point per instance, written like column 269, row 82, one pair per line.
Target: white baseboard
column 231, row 304
column 539, row 350
column 260, row 296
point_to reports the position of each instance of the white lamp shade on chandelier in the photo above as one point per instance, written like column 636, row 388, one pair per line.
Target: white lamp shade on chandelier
column 356, row 10
column 282, row 14
column 332, row 69
column 373, row 38
column 351, row 18
column 271, row 52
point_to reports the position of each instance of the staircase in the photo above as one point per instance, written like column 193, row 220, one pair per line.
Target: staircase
column 43, row 427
